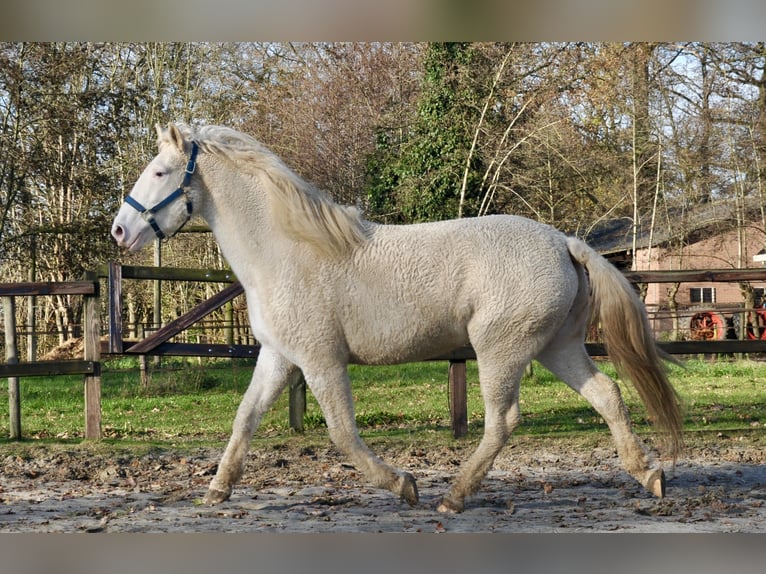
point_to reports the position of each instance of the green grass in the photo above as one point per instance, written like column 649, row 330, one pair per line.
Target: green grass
column 189, row 403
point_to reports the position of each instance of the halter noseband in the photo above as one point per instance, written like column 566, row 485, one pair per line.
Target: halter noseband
column 148, row 214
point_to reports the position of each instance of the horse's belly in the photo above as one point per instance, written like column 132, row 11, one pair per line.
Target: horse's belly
column 397, row 355
column 392, row 345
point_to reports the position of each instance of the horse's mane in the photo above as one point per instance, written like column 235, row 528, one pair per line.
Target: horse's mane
column 303, row 211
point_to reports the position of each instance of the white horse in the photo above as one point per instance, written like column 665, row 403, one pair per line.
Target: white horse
column 326, row 288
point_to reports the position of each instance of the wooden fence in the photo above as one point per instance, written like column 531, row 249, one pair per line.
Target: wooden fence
column 158, row 343
column 89, row 366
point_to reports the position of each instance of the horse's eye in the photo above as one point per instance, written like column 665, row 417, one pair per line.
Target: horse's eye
column 159, row 173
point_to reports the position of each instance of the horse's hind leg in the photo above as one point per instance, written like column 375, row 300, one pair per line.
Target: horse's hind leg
column 572, row 365
column 271, row 375
column 332, row 389
column 500, row 390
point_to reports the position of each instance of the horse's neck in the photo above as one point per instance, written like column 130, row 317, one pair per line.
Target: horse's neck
column 238, row 217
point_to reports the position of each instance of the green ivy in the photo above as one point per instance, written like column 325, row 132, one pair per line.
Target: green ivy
column 419, row 177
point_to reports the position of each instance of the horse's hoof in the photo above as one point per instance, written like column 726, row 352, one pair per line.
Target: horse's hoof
column 655, row 483
column 408, row 489
column 449, row 506
column 215, row 496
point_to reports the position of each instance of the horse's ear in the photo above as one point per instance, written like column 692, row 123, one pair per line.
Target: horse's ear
column 176, row 138
column 161, row 134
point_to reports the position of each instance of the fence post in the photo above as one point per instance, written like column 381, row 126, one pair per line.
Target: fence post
column 93, row 353
column 11, row 358
column 458, row 398
column 297, row 402
column 114, row 281
column 157, row 313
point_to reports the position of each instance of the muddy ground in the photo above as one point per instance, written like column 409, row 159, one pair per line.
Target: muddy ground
column 305, row 486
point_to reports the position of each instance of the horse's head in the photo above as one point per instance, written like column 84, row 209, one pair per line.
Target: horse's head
column 160, row 202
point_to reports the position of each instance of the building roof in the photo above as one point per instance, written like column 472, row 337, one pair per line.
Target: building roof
column 614, row 236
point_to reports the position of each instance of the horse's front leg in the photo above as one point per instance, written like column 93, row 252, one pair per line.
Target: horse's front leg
column 272, row 374
column 332, row 389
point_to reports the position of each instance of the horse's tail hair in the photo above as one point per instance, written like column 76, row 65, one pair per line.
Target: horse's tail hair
column 629, row 341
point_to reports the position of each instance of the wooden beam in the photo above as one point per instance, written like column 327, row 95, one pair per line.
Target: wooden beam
column 709, row 275
column 671, row 347
column 187, row 320
column 724, row 346
column 28, row 289
column 172, row 274
column 48, row 368
column 196, row 350
column 713, row 347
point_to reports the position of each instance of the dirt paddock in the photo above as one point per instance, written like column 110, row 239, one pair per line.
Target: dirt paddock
column 297, row 486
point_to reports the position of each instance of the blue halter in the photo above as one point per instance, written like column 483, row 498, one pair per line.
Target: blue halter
column 148, row 214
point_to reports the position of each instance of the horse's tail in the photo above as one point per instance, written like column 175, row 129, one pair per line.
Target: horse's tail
column 629, row 341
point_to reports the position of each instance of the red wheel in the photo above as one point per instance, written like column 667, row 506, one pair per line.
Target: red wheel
column 760, row 317
column 707, row 326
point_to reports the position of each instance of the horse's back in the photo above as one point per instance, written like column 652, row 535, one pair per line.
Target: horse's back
column 476, row 257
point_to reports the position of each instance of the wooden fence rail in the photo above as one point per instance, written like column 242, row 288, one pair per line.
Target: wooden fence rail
column 159, row 343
